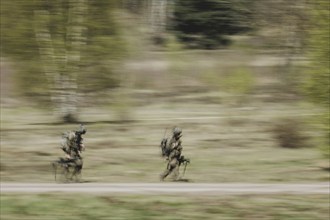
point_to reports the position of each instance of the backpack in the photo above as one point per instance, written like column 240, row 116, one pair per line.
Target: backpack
column 165, row 148
column 67, row 141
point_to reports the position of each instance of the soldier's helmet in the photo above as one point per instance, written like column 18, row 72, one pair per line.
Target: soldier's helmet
column 177, row 132
column 82, row 129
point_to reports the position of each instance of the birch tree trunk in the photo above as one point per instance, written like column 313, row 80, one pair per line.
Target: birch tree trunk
column 61, row 56
column 159, row 10
column 47, row 55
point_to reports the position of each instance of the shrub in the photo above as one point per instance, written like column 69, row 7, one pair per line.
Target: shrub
column 289, row 134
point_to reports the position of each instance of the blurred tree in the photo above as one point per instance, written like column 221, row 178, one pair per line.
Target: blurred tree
column 156, row 13
column 282, row 26
column 206, row 24
column 317, row 83
column 159, row 13
column 70, row 44
column 135, row 6
column 319, row 54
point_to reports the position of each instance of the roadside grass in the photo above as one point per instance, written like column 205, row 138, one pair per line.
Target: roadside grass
column 163, row 207
column 224, row 143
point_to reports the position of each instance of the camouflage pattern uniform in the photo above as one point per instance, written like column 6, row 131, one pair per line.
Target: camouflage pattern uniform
column 175, row 149
column 72, row 146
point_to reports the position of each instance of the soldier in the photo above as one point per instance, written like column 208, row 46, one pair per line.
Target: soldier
column 174, row 154
column 72, row 147
column 79, row 139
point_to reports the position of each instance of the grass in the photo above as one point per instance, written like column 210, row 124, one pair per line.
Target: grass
column 227, row 141
column 224, row 143
column 227, row 138
column 74, row 206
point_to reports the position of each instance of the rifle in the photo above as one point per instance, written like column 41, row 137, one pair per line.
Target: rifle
column 163, row 144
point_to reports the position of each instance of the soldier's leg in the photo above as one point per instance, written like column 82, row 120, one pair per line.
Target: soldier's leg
column 168, row 171
column 170, row 167
column 77, row 169
column 164, row 174
column 176, row 172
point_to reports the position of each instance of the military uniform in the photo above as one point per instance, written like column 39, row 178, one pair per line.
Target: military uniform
column 175, row 149
column 73, row 147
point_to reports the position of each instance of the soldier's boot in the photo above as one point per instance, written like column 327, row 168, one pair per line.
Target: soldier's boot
column 163, row 176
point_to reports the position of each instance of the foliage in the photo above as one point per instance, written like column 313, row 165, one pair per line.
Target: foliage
column 103, row 46
column 281, row 24
column 317, row 83
column 206, row 24
column 325, row 141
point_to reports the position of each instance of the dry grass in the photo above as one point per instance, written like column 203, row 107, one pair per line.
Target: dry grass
column 224, row 143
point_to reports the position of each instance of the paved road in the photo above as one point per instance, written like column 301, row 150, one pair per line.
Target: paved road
column 167, row 188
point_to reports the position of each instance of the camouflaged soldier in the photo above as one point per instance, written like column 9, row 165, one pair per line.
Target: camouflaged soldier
column 72, row 147
column 79, row 139
column 174, row 147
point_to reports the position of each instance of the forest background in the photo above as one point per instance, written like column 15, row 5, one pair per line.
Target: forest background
column 247, row 81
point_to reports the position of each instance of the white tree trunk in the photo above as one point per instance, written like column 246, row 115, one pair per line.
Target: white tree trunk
column 158, row 16
column 61, row 62
column 48, row 58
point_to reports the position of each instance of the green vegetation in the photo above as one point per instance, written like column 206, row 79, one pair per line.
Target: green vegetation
column 127, row 91
column 319, row 70
column 62, row 48
column 170, row 207
column 103, row 42
column 159, row 87
column 317, row 83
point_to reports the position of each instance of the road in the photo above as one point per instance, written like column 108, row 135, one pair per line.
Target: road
column 168, row 188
